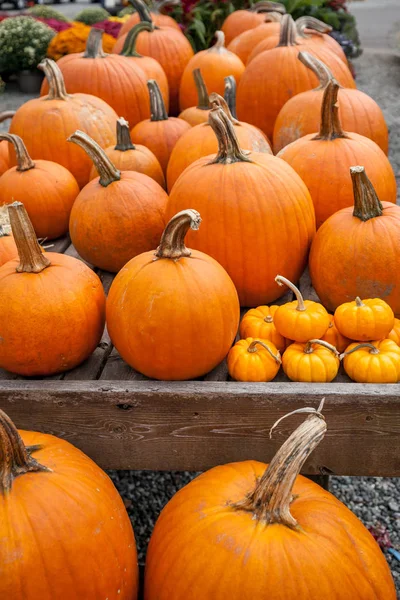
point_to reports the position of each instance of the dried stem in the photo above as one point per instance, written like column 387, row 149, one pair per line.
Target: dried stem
column 229, row 150
column 319, row 68
column 288, row 32
column 24, row 161
column 94, row 44
column 300, row 301
column 172, row 244
column 366, row 202
column 253, row 348
column 124, row 141
column 107, row 171
column 32, row 259
column 157, row 106
column 219, row 45
column 129, row 47
column 230, row 94
column 202, row 92
column 218, row 101
column 331, row 127
column 55, row 80
column 142, row 9
column 7, row 114
column 315, row 25
column 372, row 349
column 308, row 349
column 265, row 6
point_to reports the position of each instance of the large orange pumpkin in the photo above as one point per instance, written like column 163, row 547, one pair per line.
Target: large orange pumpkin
column 243, row 20
column 201, row 141
column 159, row 133
column 168, row 46
column 248, row 531
column 195, row 115
column 244, row 44
column 357, row 250
column 115, row 79
column 125, row 156
column 52, row 306
column 45, row 123
column 47, row 189
column 276, row 75
column 216, row 63
column 323, row 161
column 4, row 154
column 230, row 189
column 117, row 215
column 157, row 319
column 301, row 115
column 159, row 19
column 65, row 531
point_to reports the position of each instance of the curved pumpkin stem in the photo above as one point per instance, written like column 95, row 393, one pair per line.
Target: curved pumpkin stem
column 273, row 17
column 270, row 501
column 124, row 141
column 366, row 202
column 107, row 171
column 317, row 27
column 308, row 349
column 219, row 45
column 143, row 11
column 372, row 349
column 32, row 259
column 288, row 33
column 265, row 6
column 157, row 7
column 24, row 161
column 230, row 94
column 172, row 244
column 7, row 114
column 283, row 281
column 55, row 80
column 253, row 348
column 319, row 68
column 229, row 150
column 129, row 47
column 157, row 106
column 202, row 92
column 218, row 101
column 359, row 302
column 94, row 44
column 331, row 127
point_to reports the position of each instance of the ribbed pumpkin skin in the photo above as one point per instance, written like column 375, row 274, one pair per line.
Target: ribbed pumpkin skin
column 48, row 192
column 115, row 79
column 71, row 537
column 324, row 166
column 62, row 309
column 200, row 141
column 252, row 250
column 351, row 258
column 240, row 21
column 153, row 70
column 194, row 116
column 244, row 44
column 225, row 553
column 8, row 249
column 358, row 113
column 4, row 157
column 45, row 125
column 110, row 225
column 154, row 305
column 158, row 20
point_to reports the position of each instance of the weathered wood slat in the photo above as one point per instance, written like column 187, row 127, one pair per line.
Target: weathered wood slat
column 60, row 245
column 195, row 425
column 117, row 369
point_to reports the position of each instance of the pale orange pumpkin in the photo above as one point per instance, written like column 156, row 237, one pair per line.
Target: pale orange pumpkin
column 244, row 44
column 240, row 21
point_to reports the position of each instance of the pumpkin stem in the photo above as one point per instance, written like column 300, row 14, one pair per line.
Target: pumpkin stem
column 229, row 150
column 94, row 44
column 32, row 259
column 157, row 106
column 230, row 94
column 172, row 243
column 319, row 68
column 157, row 7
column 202, row 92
column 318, row 27
column 253, row 348
column 129, row 48
column 288, row 33
column 372, row 349
column 308, row 349
column 3, row 232
column 142, row 10
column 331, row 127
column 273, row 17
column 124, row 141
column 55, row 80
column 218, row 101
column 359, row 302
column 366, row 203
column 269, row 319
column 24, row 161
column 283, row 281
column 270, row 501
column 107, row 171
column 15, row 458
column 265, row 6
column 219, row 45
column 7, row 114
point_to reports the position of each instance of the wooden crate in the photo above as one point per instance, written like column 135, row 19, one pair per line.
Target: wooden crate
column 125, row 421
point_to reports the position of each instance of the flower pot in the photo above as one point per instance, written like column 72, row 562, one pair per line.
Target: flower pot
column 30, row 82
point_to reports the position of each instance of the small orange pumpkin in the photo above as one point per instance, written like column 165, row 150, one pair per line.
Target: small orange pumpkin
column 316, row 361
column 253, row 360
column 375, row 362
column 300, row 320
column 240, row 21
column 198, row 114
column 244, row 44
column 8, row 249
column 364, row 320
column 259, row 323
column 395, row 333
column 335, row 338
column 4, row 154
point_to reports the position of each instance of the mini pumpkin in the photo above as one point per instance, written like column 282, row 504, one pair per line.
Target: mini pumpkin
column 4, row 154
column 300, row 320
column 243, row 20
column 394, row 334
column 334, row 337
column 259, row 323
column 253, row 360
column 199, row 113
column 316, row 361
column 375, row 362
column 365, row 320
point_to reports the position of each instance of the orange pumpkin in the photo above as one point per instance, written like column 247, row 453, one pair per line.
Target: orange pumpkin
column 198, row 114
column 253, row 360
column 4, row 154
column 357, row 250
column 125, row 156
column 394, row 334
column 315, row 361
column 157, row 319
column 59, row 300
column 115, row 79
column 301, row 114
column 54, row 501
column 47, row 188
column 364, row 320
column 375, row 362
column 246, row 531
column 8, row 249
column 159, row 19
column 45, row 123
column 276, row 75
column 243, row 20
column 229, row 188
column 334, row 337
column 117, row 215
column 159, row 133
column 168, row 46
column 259, row 323
column 244, row 44
column 323, row 161
column 216, row 63
column 201, row 141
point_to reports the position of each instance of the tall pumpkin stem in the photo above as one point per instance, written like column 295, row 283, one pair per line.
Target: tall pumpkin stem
column 331, row 127
column 55, row 80
column 94, row 44
column 218, row 101
column 265, row 6
column 157, row 7
column 366, row 203
column 273, row 17
column 124, row 141
column 230, row 94
column 172, row 243
column 142, row 10
column 308, row 349
column 202, row 92
column 129, row 48
column 319, row 68
column 157, row 106
column 270, row 500
column 317, row 27
column 283, row 281
column 219, row 45
column 107, row 171
column 7, row 114
column 359, row 302
column 288, row 33
column 229, row 150
column 32, row 259
column 253, row 348
column 15, row 459
column 24, row 161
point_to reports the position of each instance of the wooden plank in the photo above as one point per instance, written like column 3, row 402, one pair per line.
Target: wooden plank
column 60, row 245
column 116, row 369
column 306, row 287
column 195, row 425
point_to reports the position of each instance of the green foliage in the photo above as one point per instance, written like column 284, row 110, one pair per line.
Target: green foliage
column 90, row 16
column 23, row 43
column 47, row 12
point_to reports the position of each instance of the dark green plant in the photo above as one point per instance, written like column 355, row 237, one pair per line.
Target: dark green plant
column 90, row 16
column 23, row 43
column 47, row 12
